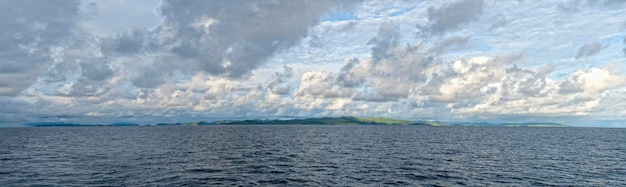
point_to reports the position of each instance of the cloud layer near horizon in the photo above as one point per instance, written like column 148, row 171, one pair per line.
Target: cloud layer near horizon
column 477, row 60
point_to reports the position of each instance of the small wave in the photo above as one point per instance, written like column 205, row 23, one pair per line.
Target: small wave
column 206, row 170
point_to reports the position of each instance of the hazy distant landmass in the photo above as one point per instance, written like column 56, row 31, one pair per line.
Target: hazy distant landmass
column 530, row 124
column 321, row 121
column 61, row 124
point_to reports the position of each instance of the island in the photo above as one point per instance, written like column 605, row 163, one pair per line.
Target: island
column 62, row 124
column 345, row 120
column 350, row 120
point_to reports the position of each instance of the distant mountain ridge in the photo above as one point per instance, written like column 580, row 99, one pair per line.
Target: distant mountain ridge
column 529, row 124
column 346, row 120
column 63, row 124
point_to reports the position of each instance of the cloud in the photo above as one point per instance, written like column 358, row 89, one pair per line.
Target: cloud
column 79, row 68
column 392, row 70
column 387, row 38
column 531, row 83
column 590, row 49
column 453, row 41
column 465, row 79
column 592, row 82
column 349, row 75
column 318, row 89
column 277, row 85
column 569, row 7
column 500, row 22
column 96, row 71
column 321, row 84
column 231, row 38
column 625, row 47
column 451, row 16
column 16, row 111
column 28, row 31
column 111, row 17
column 486, row 86
column 610, row 3
column 129, row 43
column 338, row 104
column 392, row 88
column 574, row 6
column 201, row 59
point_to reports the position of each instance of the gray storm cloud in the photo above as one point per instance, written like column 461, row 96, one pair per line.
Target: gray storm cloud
column 29, row 29
column 451, row 16
column 81, row 67
column 230, row 38
column 129, row 43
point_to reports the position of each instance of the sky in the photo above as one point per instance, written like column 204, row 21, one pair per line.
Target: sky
column 149, row 61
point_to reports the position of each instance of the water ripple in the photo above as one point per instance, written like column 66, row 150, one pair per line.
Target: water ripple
column 312, row 156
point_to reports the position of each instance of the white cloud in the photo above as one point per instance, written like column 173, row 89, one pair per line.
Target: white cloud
column 453, row 59
column 594, row 81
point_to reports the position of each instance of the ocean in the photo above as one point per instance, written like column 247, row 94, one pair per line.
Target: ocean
column 301, row 155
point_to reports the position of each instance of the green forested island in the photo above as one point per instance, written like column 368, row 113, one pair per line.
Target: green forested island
column 323, row 121
column 373, row 121
column 348, row 120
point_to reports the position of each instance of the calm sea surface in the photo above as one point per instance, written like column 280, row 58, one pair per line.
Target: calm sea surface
column 312, row 156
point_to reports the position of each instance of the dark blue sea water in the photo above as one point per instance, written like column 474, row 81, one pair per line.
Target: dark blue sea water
column 312, row 156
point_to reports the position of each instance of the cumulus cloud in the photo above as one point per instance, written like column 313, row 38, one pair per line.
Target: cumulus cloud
column 278, row 84
column 351, row 74
column 465, row 79
column 318, row 89
column 392, row 70
column 589, row 49
column 201, row 93
column 592, row 82
column 321, row 84
column 495, row 86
